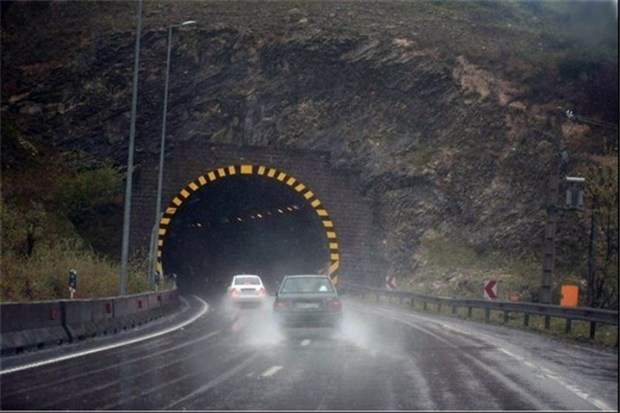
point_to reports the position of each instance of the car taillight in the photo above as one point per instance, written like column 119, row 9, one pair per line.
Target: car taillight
column 281, row 305
column 262, row 291
column 234, row 292
column 334, row 304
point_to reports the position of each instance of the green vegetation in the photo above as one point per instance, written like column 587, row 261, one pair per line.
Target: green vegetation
column 44, row 274
column 602, row 176
column 450, row 267
column 460, row 271
column 444, row 252
column 80, row 193
column 51, row 201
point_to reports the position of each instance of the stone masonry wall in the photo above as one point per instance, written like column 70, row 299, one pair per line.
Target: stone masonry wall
column 351, row 213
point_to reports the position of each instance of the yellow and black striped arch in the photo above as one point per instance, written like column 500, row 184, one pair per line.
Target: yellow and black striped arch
column 273, row 173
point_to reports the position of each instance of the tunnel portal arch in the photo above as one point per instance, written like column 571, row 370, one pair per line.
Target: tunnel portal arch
column 258, row 170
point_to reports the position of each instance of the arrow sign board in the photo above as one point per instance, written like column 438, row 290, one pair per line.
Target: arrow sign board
column 490, row 290
column 390, row 282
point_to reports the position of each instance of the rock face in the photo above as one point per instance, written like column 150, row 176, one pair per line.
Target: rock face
column 439, row 106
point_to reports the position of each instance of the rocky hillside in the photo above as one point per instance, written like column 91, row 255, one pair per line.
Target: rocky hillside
column 447, row 109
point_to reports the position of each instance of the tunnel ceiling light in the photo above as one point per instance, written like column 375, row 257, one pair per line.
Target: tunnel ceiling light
column 290, row 208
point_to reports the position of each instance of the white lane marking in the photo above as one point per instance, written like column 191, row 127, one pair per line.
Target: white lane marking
column 202, row 311
column 271, row 371
column 508, row 353
column 305, row 342
column 218, row 380
column 550, row 375
column 115, row 365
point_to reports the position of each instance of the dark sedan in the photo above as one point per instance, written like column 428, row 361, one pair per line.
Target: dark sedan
column 307, row 301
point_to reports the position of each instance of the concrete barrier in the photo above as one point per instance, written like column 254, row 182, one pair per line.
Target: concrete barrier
column 126, row 316
column 138, row 309
column 35, row 325
column 31, row 325
column 79, row 319
column 156, row 305
column 103, row 316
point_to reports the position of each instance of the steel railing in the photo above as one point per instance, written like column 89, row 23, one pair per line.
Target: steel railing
column 592, row 315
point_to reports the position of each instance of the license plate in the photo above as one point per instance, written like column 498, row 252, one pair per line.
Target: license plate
column 307, row 306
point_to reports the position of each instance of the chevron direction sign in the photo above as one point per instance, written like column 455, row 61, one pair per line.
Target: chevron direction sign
column 390, row 282
column 490, row 290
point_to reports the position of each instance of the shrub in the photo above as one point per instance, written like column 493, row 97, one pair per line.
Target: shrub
column 44, row 275
column 87, row 190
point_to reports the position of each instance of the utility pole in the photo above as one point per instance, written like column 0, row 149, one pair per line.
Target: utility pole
column 553, row 189
column 592, row 302
column 153, row 259
column 132, row 134
column 549, row 244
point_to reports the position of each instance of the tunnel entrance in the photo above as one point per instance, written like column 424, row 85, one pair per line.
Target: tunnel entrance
column 245, row 219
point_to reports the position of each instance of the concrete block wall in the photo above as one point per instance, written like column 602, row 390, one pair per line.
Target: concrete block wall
column 31, row 324
column 26, row 326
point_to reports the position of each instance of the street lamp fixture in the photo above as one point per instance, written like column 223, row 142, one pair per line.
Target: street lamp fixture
column 158, row 213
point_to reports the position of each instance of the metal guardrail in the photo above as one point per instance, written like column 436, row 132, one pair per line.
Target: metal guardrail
column 592, row 315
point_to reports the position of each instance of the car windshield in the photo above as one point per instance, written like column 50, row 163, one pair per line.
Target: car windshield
column 307, row 285
column 247, row 281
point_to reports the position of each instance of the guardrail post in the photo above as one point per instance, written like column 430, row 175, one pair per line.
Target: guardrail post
column 511, row 311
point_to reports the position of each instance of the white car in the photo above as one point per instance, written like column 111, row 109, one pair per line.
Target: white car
column 247, row 289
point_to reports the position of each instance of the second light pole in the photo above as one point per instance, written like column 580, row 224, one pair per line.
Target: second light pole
column 158, row 213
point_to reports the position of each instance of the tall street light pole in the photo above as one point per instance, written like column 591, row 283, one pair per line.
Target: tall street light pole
column 158, row 212
column 132, row 133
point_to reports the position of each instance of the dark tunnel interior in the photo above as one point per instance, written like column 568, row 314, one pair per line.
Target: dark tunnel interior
column 243, row 224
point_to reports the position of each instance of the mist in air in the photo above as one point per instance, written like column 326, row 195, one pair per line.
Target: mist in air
column 254, row 326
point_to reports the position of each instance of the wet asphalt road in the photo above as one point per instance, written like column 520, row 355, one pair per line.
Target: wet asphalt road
column 384, row 359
